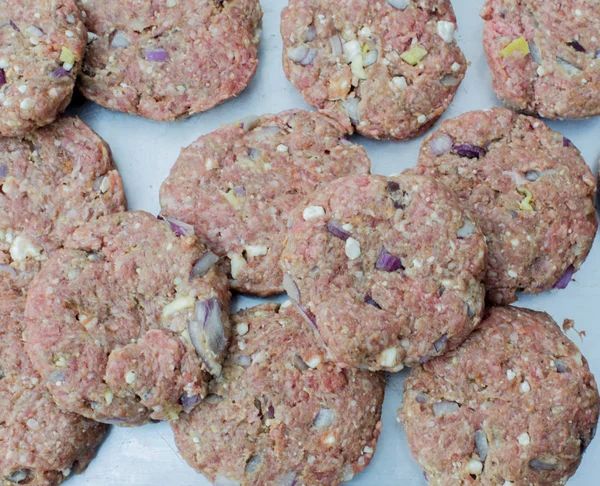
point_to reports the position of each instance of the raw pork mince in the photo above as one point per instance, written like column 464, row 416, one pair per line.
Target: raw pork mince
column 280, row 414
column 528, row 188
column 238, row 185
column 515, row 404
column 52, row 181
column 42, row 43
column 389, row 269
column 123, row 325
column 386, row 68
column 168, row 60
column 544, row 56
column 39, row 444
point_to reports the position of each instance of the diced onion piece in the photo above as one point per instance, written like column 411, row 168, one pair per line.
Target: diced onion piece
column 239, row 191
column 576, row 45
column 14, row 26
column 560, row 366
column 539, row 465
column 441, row 144
column 203, row 265
column 60, row 72
column 388, row 262
column 466, row 230
column 518, row 45
column 324, row 418
column 156, row 55
column 356, row 66
column 2, row 78
column 179, row 227
column 252, row 464
column 535, row 53
column 189, row 402
column 337, row 230
column 449, row 81
column 34, row 31
column 469, row 150
column 351, row 107
column 567, row 142
column 298, row 54
column 481, row 444
column 414, row 55
column 369, row 300
column 351, row 50
column 337, row 49
column 311, row 34
column 399, row 4
column 243, row 361
column 564, row 281
column 568, row 67
column 9, row 270
column 208, row 334
column 532, row 175
column 223, row 481
column 445, row 408
column 371, row 58
column 119, row 40
column 288, row 479
column 291, row 288
column 441, row 344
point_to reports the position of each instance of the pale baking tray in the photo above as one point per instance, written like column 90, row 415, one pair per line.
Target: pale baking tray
column 145, row 151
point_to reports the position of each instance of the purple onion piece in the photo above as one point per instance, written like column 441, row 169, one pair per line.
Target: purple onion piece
column 369, row 300
column 253, row 464
column 571, row 69
column 299, row 363
column 535, row 54
column 9, row 270
column 538, row 465
column 388, row 262
column 179, row 227
column 576, row 45
column 2, row 77
column 560, row 366
column 324, row 418
column 441, row 344
column 597, row 55
column 60, row 72
column 532, row 175
column 441, row 144
column 337, row 47
column 34, row 31
column 156, row 55
column 445, row 408
column 421, row 398
column 567, row 142
column 271, row 412
column 565, row 279
column 239, row 191
column 14, row 26
column 469, row 150
column 302, row 54
column 371, row 58
column 336, row 229
column 291, row 288
column 189, row 402
column 311, row 34
column 309, row 317
column 3, row 171
column 203, row 265
column 466, row 230
column 244, row 361
column 208, row 334
column 481, row 444
column 119, row 40
column 399, row 4
column 55, row 376
column 288, row 479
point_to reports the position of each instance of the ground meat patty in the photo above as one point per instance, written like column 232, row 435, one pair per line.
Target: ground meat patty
column 39, row 444
column 528, row 188
column 389, row 68
column 42, row 43
column 280, row 414
column 516, row 404
column 389, row 269
column 51, row 182
column 168, row 60
column 113, row 320
column 238, row 185
column 544, row 56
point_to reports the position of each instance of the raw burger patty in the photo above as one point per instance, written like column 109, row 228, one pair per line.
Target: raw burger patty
column 389, row 68
column 39, row 444
column 42, row 43
column 51, row 182
column 544, row 56
column 238, row 185
column 516, row 404
column 279, row 414
column 170, row 59
column 528, row 188
column 113, row 319
column 389, row 269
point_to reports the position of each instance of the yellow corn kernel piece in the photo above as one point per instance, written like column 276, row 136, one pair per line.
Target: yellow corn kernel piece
column 519, row 44
column 413, row 56
column 66, row 56
column 232, row 199
column 525, row 203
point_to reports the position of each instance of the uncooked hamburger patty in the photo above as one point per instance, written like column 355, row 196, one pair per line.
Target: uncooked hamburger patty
column 386, row 68
column 40, row 445
column 544, row 56
column 528, row 188
column 516, row 404
column 51, row 181
column 42, row 43
column 125, row 321
column 280, row 414
column 388, row 269
column 170, row 59
column 238, row 185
